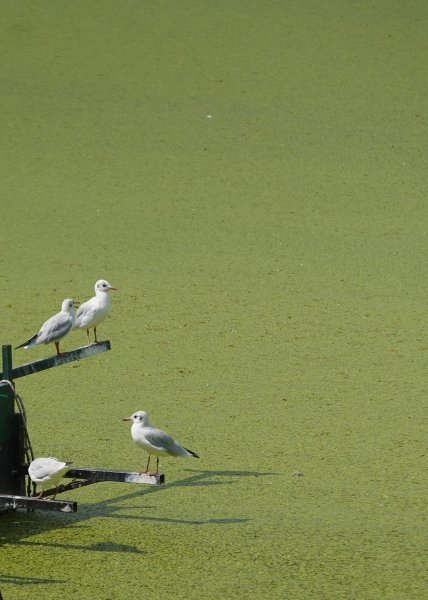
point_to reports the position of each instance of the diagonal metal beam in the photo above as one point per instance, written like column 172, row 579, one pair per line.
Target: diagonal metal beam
column 55, row 361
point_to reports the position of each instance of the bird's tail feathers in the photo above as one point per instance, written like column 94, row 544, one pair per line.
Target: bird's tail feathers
column 29, row 342
column 67, row 462
column 192, row 453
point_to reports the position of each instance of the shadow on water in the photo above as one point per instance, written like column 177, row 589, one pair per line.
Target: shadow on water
column 108, row 507
column 99, row 547
column 16, row 526
column 223, row 521
column 15, row 580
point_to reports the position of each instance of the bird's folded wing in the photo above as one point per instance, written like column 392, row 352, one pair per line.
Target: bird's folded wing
column 55, row 328
column 160, row 439
column 40, row 471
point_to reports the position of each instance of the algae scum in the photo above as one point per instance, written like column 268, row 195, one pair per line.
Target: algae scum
column 251, row 176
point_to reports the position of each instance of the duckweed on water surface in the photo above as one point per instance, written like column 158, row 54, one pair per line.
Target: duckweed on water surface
column 251, row 177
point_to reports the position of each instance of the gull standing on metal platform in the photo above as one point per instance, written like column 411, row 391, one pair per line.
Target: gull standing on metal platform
column 155, row 441
column 54, row 328
column 47, row 472
column 95, row 310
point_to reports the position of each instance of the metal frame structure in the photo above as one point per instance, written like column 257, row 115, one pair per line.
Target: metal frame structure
column 14, row 442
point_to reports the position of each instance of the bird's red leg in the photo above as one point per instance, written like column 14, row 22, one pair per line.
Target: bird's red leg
column 58, row 351
column 147, row 467
column 157, row 467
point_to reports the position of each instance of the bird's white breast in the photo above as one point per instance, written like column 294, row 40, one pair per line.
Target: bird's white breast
column 92, row 312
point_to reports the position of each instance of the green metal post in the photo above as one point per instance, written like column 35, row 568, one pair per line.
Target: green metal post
column 12, row 456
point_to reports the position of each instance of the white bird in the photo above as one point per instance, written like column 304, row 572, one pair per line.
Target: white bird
column 95, row 310
column 154, row 440
column 54, row 328
column 47, row 472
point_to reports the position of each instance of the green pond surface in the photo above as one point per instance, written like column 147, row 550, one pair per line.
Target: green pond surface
column 252, row 177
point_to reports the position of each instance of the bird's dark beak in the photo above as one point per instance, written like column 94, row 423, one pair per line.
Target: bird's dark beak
column 76, row 304
column 113, row 288
column 127, row 419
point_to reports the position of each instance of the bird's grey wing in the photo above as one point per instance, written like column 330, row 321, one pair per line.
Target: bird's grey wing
column 162, row 440
column 55, row 328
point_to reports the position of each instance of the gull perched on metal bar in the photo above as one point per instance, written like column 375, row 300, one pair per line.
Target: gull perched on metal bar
column 95, row 310
column 47, row 472
column 54, row 328
column 154, row 440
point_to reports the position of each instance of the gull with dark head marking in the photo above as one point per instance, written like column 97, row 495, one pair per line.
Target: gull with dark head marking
column 154, row 440
column 95, row 310
column 54, row 328
column 47, row 472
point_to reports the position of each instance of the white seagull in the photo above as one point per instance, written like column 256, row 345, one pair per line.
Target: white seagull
column 54, row 328
column 154, row 440
column 47, row 472
column 95, row 310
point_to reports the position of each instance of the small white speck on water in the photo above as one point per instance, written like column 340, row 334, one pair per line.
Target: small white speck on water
column 209, row 116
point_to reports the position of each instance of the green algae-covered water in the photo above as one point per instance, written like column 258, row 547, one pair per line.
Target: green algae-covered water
column 252, row 177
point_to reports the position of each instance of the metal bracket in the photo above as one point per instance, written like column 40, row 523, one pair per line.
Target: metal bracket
column 81, row 477
column 8, row 502
column 55, row 360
